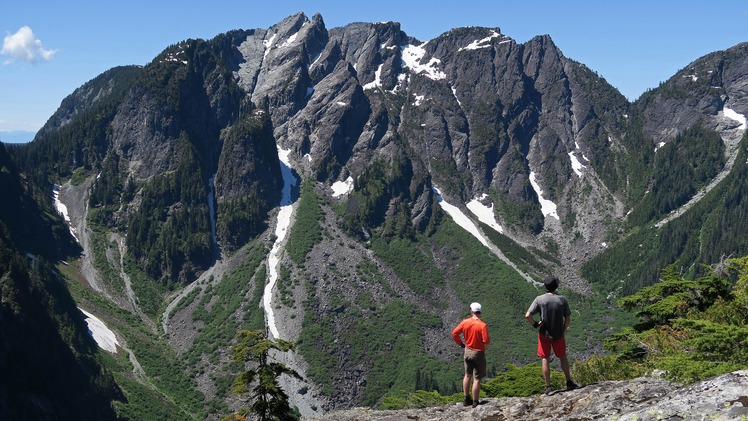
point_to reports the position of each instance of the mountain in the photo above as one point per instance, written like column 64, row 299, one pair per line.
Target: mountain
column 352, row 189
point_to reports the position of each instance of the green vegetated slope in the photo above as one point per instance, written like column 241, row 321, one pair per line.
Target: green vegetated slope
column 153, row 380
column 164, row 385
column 688, row 329
column 385, row 338
column 48, row 361
column 705, row 234
column 679, row 170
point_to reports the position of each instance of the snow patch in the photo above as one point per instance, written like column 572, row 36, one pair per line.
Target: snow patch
column 484, row 213
column 173, row 56
column 460, row 218
column 412, row 56
column 281, row 229
column 314, row 60
column 576, row 165
column 454, row 92
column 340, row 188
column 659, row 145
column 481, row 43
column 732, row 115
column 377, row 82
column 104, row 337
column 401, row 78
column 419, row 100
column 63, row 210
column 546, row 206
column 268, row 43
column 289, row 41
column 467, row 224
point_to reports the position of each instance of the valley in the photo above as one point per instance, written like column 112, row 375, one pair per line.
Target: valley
column 351, row 189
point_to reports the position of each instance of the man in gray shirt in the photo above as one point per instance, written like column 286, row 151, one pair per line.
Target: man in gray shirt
column 555, row 317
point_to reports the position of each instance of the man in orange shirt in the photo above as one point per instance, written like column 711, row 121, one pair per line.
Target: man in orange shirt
column 475, row 334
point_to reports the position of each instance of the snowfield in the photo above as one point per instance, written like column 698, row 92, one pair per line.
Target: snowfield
column 104, row 337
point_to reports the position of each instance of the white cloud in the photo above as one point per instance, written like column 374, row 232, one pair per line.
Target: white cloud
column 23, row 46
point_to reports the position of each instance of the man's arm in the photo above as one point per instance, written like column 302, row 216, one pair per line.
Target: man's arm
column 456, row 335
column 567, row 315
column 531, row 319
column 534, row 308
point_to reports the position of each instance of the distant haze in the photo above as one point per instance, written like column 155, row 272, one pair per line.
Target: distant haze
column 17, row 136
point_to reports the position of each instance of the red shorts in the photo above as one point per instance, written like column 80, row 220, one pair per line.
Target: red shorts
column 545, row 344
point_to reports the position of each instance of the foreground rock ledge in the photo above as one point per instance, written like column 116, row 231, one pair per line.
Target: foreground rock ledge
column 646, row 398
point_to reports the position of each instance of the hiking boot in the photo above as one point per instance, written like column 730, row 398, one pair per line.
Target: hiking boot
column 468, row 401
column 475, row 404
column 548, row 390
column 570, row 385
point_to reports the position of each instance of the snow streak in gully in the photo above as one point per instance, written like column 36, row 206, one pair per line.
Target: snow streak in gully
column 281, row 229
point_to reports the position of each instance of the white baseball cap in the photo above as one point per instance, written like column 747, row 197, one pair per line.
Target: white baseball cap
column 475, row 307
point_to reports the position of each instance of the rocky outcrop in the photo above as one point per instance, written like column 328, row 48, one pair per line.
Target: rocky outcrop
column 647, row 398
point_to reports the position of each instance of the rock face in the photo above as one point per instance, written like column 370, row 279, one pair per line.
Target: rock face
column 721, row 398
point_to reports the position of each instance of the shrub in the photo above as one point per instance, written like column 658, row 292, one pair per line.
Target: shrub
column 521, row 381
column 604, row 368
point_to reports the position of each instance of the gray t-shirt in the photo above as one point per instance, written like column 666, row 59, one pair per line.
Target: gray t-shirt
column 553, row 309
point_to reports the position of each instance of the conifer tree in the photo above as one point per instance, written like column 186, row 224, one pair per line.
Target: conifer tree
column 259, row 381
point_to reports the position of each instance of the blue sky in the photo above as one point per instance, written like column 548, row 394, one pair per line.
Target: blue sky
column 52, row 47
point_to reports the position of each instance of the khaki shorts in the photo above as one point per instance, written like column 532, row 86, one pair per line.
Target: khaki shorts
column 475, row 363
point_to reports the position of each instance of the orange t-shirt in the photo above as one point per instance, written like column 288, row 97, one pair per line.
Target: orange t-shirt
column 475, row 332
